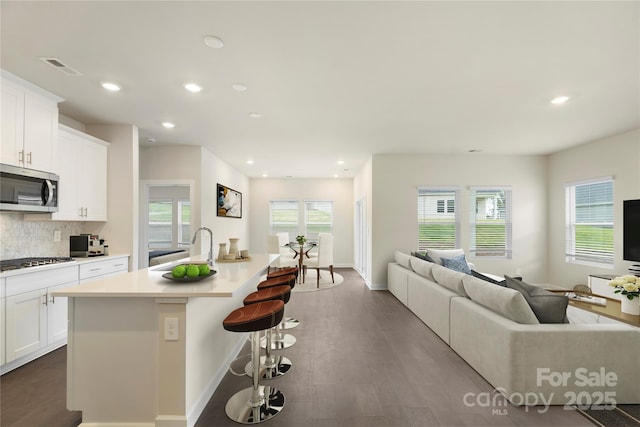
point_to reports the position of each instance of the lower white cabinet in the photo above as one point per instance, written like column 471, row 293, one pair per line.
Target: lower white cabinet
column 2, row 322
column 103, row 268
column 34, row 319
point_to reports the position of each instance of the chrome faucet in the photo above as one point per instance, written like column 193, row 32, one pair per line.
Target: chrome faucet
column 193, row 241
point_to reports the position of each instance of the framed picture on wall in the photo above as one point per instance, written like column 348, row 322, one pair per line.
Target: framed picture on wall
column 229, row 202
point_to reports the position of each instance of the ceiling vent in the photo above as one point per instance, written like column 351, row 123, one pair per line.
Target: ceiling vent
column 55, row 62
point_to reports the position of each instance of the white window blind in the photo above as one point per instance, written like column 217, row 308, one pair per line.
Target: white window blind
column 160, row 224
column 283, row 217
column 438, row 224
column 184, row 223
column 318, row 218
column 490, row 222
column 589, row 222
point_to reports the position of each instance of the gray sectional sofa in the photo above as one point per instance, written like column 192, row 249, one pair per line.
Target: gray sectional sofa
column 494, row 330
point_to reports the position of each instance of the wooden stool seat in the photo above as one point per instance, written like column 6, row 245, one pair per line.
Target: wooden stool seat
column 282, row 292
column 255, row 317
column 283, row 272
column 289, row 280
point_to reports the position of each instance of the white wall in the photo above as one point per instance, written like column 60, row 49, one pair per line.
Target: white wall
column 340, row 191
column 617, row 156
column 202, row 167
column 396, row 179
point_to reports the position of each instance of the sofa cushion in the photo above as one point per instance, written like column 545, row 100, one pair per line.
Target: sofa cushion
column 458, row 263
column 449, row 279
column 403, row 259
column 422, row 255
column 507, row 302
column 489, row 279
column 547, row 306
column 437, row 254
column 423, row 268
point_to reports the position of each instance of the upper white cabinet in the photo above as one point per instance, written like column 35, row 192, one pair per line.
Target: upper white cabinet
column 29, row 124
column 81, row 162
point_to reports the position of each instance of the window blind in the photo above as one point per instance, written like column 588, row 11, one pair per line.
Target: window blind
column 283, row 217
column 490, row 222
column 318, row 218
column 438, row 222
column 589, row 222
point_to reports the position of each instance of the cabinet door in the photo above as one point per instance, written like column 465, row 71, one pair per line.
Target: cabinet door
column 57, row 316
column 40, row 131
column 2, row 338
column 93, row 186
column 67, row 165
column 12, row 124
column 26, row 323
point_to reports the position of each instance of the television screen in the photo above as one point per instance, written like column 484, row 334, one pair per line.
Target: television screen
column 631, row 233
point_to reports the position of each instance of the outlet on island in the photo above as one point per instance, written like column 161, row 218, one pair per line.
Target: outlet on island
column 57, row 236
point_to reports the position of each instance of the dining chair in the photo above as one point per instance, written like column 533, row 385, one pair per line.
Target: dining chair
column 324, row 258
column 285, row 259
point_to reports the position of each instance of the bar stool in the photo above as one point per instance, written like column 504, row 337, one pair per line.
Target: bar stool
column 279, row 340
column 288, row 322
column 270, row 366
column 258, row 403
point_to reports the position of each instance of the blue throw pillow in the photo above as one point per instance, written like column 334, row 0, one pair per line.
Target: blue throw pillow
column 458, row 263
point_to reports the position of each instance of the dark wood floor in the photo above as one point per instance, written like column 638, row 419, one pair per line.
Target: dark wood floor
column 361, row 359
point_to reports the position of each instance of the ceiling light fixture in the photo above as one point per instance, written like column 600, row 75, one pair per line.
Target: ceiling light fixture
column 192, row 87
column 214, row 42
column 559, row 100
column 249, row 162
column 168, row 125
column 264, row 175
column 341, row 162
column 111, row 87
column 255, row 115
column 335, row 175
column 239, row 87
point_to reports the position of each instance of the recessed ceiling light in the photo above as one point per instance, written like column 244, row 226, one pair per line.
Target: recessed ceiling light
column 111, row 87
column 192, row 87
column 341, row 162
column 214, row 42
column 168, row 125
column 335, row 175
column 559, row 100
column 239, row 87
column 264, row 175
column 255, row 115
column 474, row 150
column 249, row 162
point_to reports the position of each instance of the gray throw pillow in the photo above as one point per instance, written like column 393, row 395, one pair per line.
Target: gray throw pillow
column 547, row 306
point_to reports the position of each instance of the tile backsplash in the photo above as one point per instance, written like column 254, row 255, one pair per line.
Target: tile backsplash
column 20, row 238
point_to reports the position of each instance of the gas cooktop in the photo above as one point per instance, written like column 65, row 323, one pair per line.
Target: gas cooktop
column 14, row 264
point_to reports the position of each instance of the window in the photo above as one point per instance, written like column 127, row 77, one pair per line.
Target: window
column 169, row 224
column 318, row 218
column 438, row 222
column 283, row 217
column 490, row 222
column 589, row 222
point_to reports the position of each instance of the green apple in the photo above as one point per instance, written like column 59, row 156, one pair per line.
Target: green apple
column 179, row 271
column 193, row 271
column 204, row 269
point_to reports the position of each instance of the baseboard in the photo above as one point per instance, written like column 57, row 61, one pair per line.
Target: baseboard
column 376, row 286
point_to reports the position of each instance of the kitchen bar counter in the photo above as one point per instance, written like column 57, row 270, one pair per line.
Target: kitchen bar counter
column 146, row 351
column 148, row 282
column 76, row 261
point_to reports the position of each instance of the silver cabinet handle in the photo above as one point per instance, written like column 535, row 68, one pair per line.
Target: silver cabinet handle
column 44, row 299
column 29, row 158
column 96, row 269
column 21, row 156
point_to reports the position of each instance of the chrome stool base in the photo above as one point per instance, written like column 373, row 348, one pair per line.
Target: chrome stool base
column 240, row 409
column 279, row 366
column 284, row 341
column 290, row 323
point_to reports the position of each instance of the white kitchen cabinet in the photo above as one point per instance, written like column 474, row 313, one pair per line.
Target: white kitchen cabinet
column 35, row 322
column 102, row 268
column 29, row 124
column 2, row 322
column 81, row 162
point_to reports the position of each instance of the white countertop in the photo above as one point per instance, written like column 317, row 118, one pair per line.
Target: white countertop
column 149, row 282
column 76, row 261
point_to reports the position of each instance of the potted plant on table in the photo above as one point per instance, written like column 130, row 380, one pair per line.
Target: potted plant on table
column 629, row 287
column 301, row 240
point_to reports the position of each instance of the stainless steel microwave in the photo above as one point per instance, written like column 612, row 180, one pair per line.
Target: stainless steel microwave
column 27, row 190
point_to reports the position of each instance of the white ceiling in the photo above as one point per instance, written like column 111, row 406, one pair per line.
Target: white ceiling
column 338, row 80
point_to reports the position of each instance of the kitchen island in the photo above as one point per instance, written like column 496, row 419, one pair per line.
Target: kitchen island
column 148, row 351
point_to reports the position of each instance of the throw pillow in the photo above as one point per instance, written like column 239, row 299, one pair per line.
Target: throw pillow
column 436, row 254
column 547, row 306
column 458, row 263
column 489, row 279
column 422, row 255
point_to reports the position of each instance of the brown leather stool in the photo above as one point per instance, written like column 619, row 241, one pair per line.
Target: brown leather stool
column 273, row 280
column 270, row 366
column 258, row 403
column 280, row 341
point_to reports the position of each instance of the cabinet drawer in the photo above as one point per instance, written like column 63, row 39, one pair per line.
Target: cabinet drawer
column 99, row 268
column 39, row 280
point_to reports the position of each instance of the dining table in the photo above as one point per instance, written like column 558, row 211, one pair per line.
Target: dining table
column 301, row 251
